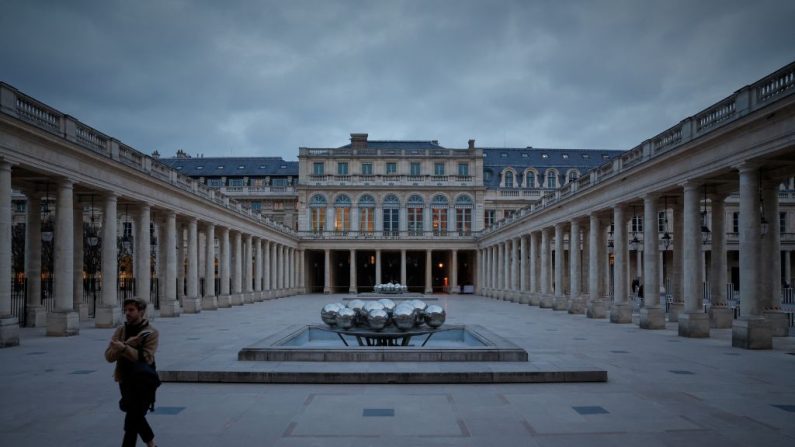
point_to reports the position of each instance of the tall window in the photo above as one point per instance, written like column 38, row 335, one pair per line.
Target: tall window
column 256, row 206
column 490, row 217
column 342, row 168
column 342, row 213
column 735, row 222
column 463, row 169
column 530, row 179
column 782, row 222
column 318, row 169
column 573, row 175
column 415, row 207
column 661, row 218
column 463, row 215
column 391, row 168
column 317, row 210
column 508, row 179
column 391, row 215
column 214, row 182
column 637, row 224
column 439, row 215
column 367, row 169
column 366, row 213
column 236, row 182
column 438, row 169
column 415, row 169
column 552, row 179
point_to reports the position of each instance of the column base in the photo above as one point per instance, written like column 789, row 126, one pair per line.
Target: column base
column 327, row 291
column 547, row 302
column 107, row 316
column 524, row 298
column 694, row 325
column 561, row 303
column 720, row 317
column 63, row 323
column 652, row 317
column 236, row 299
column 82, row 311
column 577, row 305
column 192, row 305
column 621, row 313
column 779, row 322
column 9, row 332
column 210, row 303
column 674, row 310
column 224, row 301
column 170, row 309
column 752, row 333
column 596, row 309
column 533, row 299
column 36, row 316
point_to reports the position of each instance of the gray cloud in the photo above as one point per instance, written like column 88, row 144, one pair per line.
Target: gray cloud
column 262, row 78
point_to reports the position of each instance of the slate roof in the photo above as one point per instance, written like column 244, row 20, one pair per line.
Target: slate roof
column 233, row 166
column 400, row 144
column 496, row 159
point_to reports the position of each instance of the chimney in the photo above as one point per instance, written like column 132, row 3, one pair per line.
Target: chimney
column 358, row 140
column 471, row 144
column 436, row 142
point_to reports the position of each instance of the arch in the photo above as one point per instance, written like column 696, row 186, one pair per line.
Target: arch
column 440, row 201
column 508, row 178
column 318, row 200
column 391, row 201
column 464, row 201
column 366, row 201
column 551, row 177
column 530, row 178
column 572, row 175
column 342, row 201
column 415, row 201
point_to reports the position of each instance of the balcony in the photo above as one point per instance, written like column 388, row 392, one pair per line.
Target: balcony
column 258, row 191
column 389, row 180
column 389, row 235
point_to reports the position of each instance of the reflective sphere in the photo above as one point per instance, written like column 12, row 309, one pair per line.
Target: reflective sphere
column 372, row 305
column 388, row 304
column 358, row 307
column 419, row 308
column 434, row 315
column 345, row 318
column 377, row 319
column 329, row 313
column 404, row 317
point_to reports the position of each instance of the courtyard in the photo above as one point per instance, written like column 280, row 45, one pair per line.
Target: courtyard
column 662, row 389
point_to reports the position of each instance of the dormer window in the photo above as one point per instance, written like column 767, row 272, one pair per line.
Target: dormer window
column 565, row 156
column 262, row 166
column 525, row 155
column 199, row 168
column 241, row 167
column 504, row 155
column 586, row 156
column 220, row 166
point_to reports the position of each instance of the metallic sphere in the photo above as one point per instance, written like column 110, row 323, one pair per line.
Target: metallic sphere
column 388, row 304
column 345, row 319
column 372, row 305
column 377, row 319
column 329, row 313
column 404, row 317
column 434, row 315
column 356, row 305
column 419, row 308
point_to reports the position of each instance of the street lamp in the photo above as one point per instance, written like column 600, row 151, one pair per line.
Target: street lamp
column 634, row 243
column 46, row 235
column 666, row 237
column 705, row 233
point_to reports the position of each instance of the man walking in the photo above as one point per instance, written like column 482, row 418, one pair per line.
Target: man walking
column 137, row 339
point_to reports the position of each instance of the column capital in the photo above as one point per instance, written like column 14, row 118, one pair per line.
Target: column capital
column 691, row 184
column 747, row 166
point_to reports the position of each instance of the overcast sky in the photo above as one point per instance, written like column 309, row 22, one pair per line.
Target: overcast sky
column 263, row 78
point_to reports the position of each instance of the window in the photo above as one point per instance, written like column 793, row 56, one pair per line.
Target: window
column 221, row 167
column 415, row 169
column 415, row 207
column 463, row 169
column 544, row 155
column 342, row 213
column 366, row 213
column 342, row 168
column 278, row 206
column 317, row 209
column 279, row 182
column 256, row 206
column 241, row 167
column 552, row 180
column 439, row 215
column 20, row 206
column 463, row 215
column 391, row 215
column 735, row 222
column 525, row 155
column 503, row 155
column 127, row 231
column 391, row 168
column 586, row 156
column 490, row 217
column 637, row 224
column 214, row 182
column 782, row 222
column 199, row 168
column 509, row 179
column 661, row 221
column 236, row 182
column 438, row 169
column 565, row 156
column 573, row 175
column 487, row 175
column 507, row 213
column 367, row 169
column 530, row 179
column 318, row 169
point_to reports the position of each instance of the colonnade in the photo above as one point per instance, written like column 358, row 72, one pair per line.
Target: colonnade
column 250, row 267
column 569, row 265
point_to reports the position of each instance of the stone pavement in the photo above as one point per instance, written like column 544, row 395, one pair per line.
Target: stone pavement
column 662, row 390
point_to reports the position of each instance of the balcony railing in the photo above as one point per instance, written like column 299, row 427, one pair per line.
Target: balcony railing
column 391, row 179
column 389, row 235
column 234, row 191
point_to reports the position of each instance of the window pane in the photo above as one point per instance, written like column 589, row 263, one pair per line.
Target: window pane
column 415, row 221
column 317, row 168
column 391, row 168
column 415, row 169
column 342, row 168
column 463, row 169
column 439, row 221
column 367, row 169
column 438, row 169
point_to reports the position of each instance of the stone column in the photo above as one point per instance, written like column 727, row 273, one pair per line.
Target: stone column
column 181, row 249
column 533, row 298
column 454, row 271
column 266, row 269
column 693, row 322
column 63, row 320
column 489, row 269
column 576, row 302
column 143, row 268
column 678, row 303
column 639, row 264
column 36, row 314
column 596, row 307
column 428, row 273
column 771, row 262
column 327, row 272
column 77, row 283
column 479, row 270
column 499, row 251
column 561, row 301
column 514, row 285
column 403, row 267
column 621, row 312
column 788, row 267
column 353, row 287
column 9, row 325
column 169, row 305
column 257, row 270
column 652, row 315
column 210, row 300
column 585, row 265
column 506, row 265
column 523, row 270
column 378, row 266
column 273, row 271
column 720, row 315
column 751, row 330
column 547, row 300
column 224, row 298
column 192, row 303
column 236, row 297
